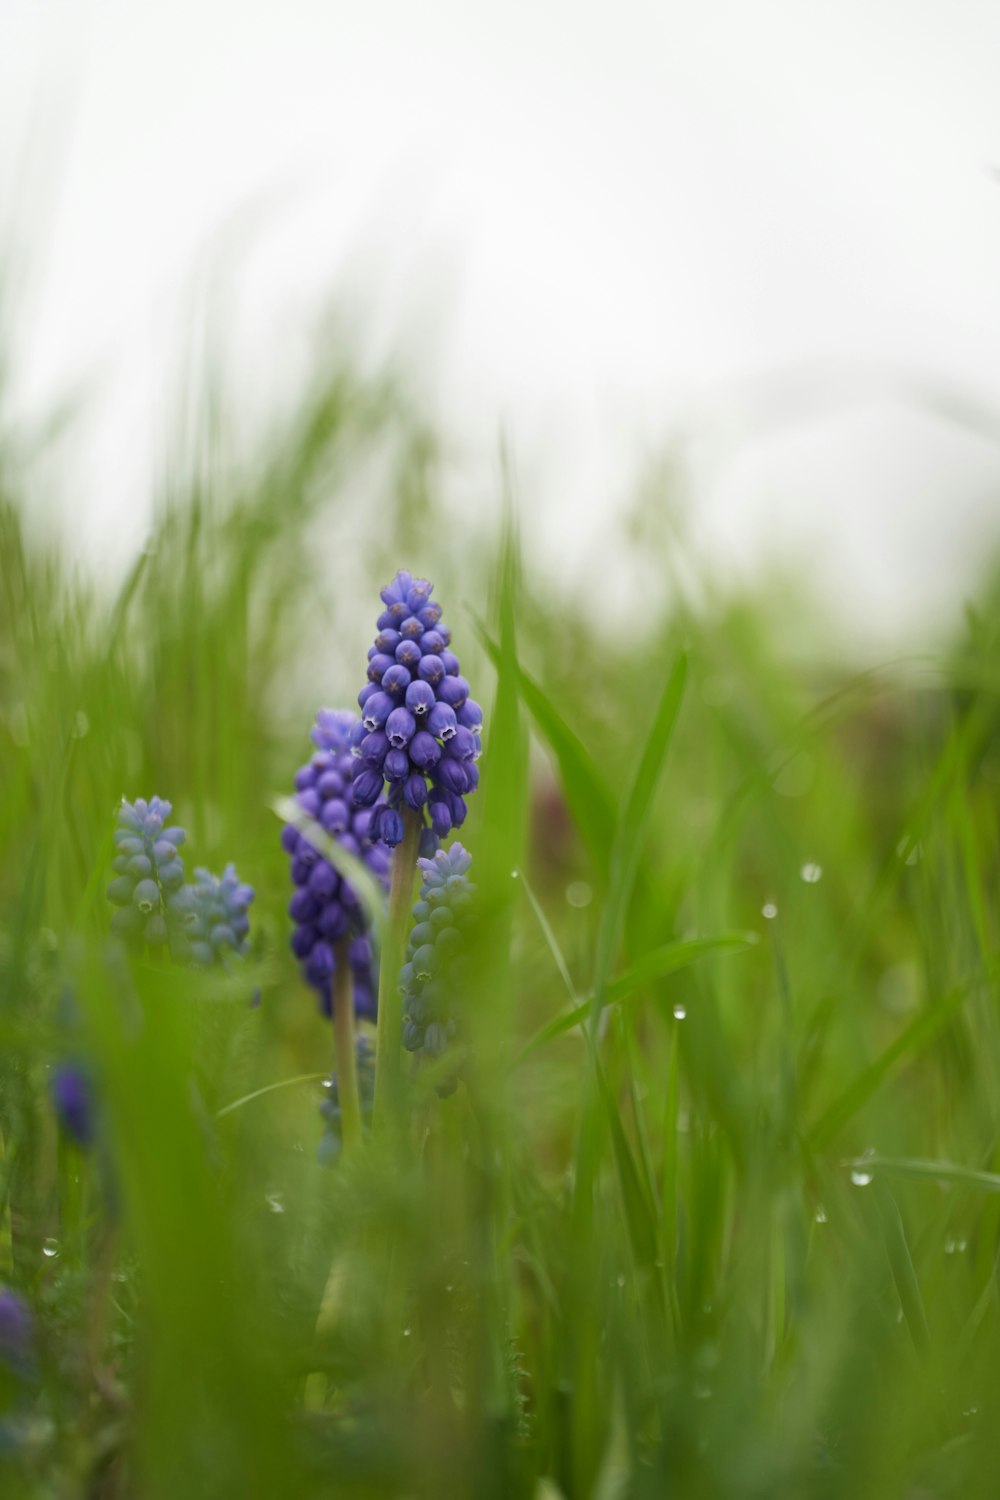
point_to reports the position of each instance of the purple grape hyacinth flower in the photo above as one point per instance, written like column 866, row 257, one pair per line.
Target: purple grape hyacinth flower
column 73, row 1098
column 325, row 908
column 17, row 1333
column 431, row 977
column 421, row 727
column 149, row 876
column 216, row 918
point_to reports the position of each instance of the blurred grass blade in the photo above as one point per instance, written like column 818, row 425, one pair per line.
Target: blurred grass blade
column 656, row 965
column 631, row 829
column 587, row 793
column 903, row 1271
column 934, row 1171
column 909, row 1043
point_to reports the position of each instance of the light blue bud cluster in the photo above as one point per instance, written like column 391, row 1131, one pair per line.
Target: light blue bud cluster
column 330, row 1143
column 431, row 978
column 149, row 874
column 325, row 907
column 217, row 921
column 420, row 729
column 204, row 923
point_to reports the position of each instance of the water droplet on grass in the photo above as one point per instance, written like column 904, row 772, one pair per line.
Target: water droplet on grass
column 811, row 872
column 860, row 1178
column 407, row 1332
column 621, row 1281
column 820, row 1214
column 50, row 1249
column 275, row 1204
column 680, row 1011
column 579, row 894
column 769, row 910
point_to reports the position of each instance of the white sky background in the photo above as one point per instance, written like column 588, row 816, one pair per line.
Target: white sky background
column 602, row 226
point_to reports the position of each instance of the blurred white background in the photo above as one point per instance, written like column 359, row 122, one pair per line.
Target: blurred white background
column 764, row 235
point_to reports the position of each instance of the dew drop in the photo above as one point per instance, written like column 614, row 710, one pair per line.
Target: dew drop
column 275, row 1204
column 50, row 1249
column 81, row 725
column 407, row 1332
column 579, row 894
column 769, row 910
column 860, row 1178
column 820, row 1214
column 811, row 872
column 680, row 1011
column 621, row 1281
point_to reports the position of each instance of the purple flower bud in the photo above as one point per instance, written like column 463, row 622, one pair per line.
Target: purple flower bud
column 451, row 666
column 431, row 669
column 368, row 691
column 408, row 654
column 464, row 744
column 366, row 787
column 386, row 641
column 164, row 851
column 377, row 710
column 331, row 784
column 303, row 939
column 411, row 629
column 303, row 907
column 440, row 817
column 418, row 594
column 400, row 727
column 378, row 666
column 333, row 921
column 415, row 791
column 74, row 1104
column 391, row 827
column 431, row 643
column 309, row 802
column 429, row 615
column 420, row 698
column 373, row 748
column 319, row 965
column 441, row 721
column 425, row 751
column 453, row 690
column 335, row 815
column 396, row 680
column 450, row 774
column 470, row 714
column 290, row 838
column 397, row 765
column 323, row 881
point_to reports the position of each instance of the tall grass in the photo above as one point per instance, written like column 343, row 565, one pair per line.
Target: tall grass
column 715, row 1212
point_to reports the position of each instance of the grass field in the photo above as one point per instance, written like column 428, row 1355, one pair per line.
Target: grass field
column 714, row 1211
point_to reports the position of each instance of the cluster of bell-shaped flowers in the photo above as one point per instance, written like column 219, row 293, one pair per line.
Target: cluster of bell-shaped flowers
column 330, row 1143
column 202, row 923
column 325, row 908
column 217, row 923
column 420, row 729
column 149, row 875
column 431, row 978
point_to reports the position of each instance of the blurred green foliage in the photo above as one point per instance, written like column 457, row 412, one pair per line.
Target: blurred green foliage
column 753, row 936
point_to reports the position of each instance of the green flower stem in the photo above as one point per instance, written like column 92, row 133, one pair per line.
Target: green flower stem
column 344, row 1051
column 388, row 1064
